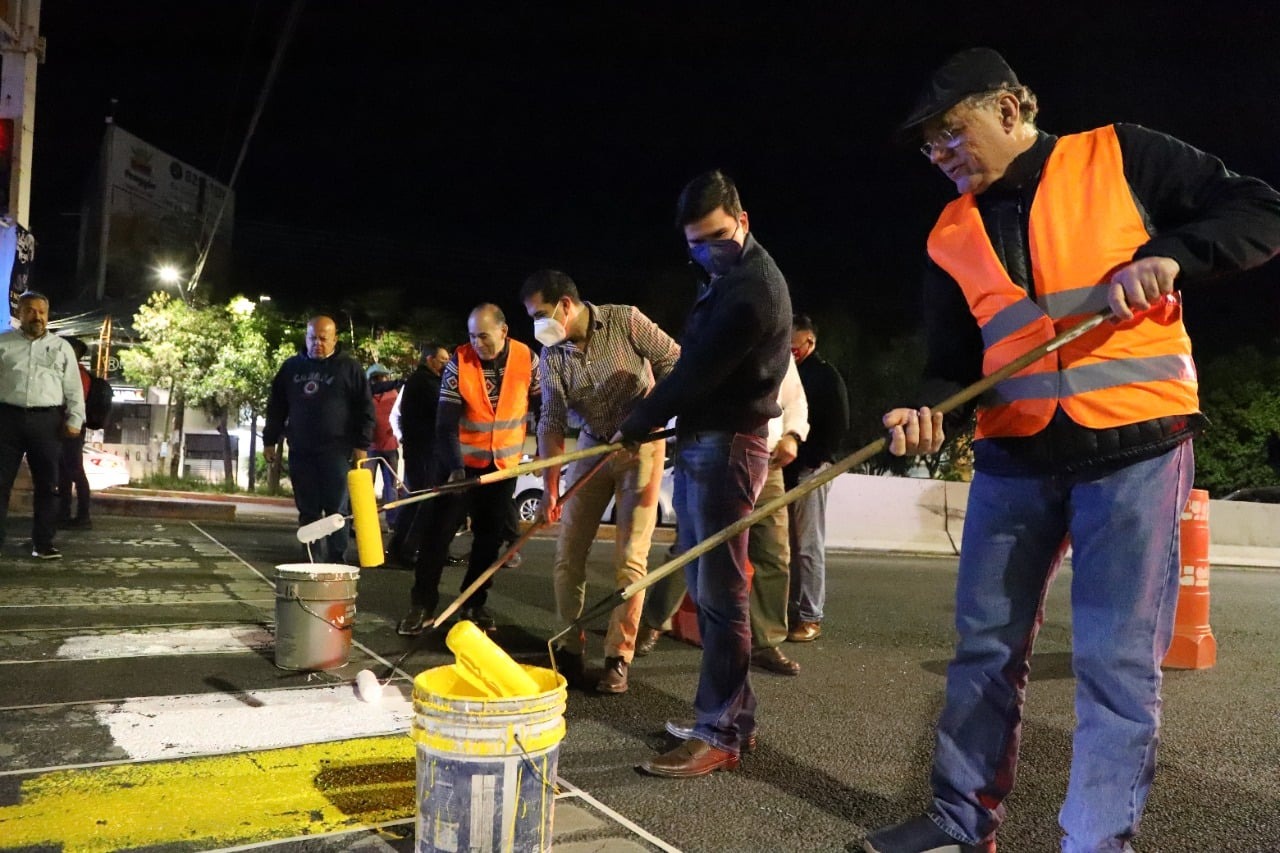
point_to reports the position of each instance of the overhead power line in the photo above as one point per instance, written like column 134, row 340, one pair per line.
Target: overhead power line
column 286, row 35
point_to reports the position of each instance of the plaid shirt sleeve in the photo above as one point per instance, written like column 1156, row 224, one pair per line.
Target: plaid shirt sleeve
column 654, row 344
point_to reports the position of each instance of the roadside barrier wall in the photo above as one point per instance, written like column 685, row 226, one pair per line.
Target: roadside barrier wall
column 917, row 516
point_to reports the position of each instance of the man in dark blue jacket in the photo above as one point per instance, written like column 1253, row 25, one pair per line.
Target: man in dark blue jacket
column 724, row 391
column 320, row 402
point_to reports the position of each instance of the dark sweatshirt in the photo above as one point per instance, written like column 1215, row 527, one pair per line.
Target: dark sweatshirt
column 418, row 401
column 828, row 399
column 320, row 405
column 733, row 355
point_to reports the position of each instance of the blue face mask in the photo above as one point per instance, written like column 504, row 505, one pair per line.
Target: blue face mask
column 717, row 257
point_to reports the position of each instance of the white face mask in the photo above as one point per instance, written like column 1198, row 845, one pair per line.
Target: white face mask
column 549, row 331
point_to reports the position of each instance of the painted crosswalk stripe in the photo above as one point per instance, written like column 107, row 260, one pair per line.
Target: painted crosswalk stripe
column 165, row 641
column 204, row 724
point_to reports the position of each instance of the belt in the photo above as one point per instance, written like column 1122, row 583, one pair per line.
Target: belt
column 597, row 439
column 31, row 408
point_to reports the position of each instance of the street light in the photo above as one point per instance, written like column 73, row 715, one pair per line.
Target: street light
column 169, row 274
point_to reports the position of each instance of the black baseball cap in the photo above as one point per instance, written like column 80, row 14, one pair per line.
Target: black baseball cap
column 969, row 72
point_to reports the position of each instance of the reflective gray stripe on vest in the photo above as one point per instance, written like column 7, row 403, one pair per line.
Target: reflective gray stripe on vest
column 1080, row 300
column 1010, row 319
column 1051, row 385
column 505, row 452
column 484, row 451
column 489, row 426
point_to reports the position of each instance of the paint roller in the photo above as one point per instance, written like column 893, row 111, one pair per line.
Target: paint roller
column 364, row 514
column 364, row 504
column 368, row 688
column 953, row 402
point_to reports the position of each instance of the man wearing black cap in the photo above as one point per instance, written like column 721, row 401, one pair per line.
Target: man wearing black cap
column 1091, row 442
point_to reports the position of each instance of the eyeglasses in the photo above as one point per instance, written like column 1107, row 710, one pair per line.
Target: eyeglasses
column 945, row 140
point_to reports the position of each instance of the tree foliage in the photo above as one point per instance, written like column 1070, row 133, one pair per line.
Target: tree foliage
column 1240, row 394
column 170, row 344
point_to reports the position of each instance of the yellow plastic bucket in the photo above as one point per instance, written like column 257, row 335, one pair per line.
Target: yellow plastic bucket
column 486, row 766
column 315, row 610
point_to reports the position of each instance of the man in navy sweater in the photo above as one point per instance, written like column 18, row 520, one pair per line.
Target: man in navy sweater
column 320, row 402
column 723, row 391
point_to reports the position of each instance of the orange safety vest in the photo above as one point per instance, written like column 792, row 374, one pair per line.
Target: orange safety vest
column 1084, row 225
column 489, row 436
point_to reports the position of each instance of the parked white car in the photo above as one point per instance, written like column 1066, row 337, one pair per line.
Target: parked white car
column 104, row 470
column 528, row 497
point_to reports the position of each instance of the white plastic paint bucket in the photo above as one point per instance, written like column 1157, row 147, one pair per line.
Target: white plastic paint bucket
column 486, row 767
column 315, row 611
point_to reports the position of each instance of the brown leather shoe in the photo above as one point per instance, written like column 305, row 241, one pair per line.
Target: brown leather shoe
column 614, row 679
column 805, row 632
column 691, row 758
column 772, row 659
column 646, row 641
column 684, row 731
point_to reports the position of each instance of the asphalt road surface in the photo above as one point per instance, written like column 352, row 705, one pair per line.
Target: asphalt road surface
column 141, row 708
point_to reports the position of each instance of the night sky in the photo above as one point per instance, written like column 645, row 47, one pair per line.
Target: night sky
column 415, row 156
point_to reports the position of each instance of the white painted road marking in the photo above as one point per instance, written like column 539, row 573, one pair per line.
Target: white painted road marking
column 210, row 724
column 165, row 641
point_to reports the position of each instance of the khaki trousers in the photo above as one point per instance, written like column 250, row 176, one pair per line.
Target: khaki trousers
column 633, row 482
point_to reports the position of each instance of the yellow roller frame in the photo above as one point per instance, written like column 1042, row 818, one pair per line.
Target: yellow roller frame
column 364, row 516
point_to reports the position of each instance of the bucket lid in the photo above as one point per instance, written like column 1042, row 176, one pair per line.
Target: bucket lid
column 317, row 571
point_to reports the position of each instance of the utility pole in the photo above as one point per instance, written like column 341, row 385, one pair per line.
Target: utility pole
column 21, row 50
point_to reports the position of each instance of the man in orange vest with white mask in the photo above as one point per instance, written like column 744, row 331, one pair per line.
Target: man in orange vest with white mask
column 1091, row 442
column 487, row 390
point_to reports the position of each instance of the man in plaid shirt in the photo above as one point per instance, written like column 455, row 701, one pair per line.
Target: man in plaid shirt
column 597, row 361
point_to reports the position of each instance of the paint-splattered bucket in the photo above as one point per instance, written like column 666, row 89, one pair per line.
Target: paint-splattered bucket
column 315, row 609
column 486, row 767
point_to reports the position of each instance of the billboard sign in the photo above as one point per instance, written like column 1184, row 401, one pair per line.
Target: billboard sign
column 150, row 209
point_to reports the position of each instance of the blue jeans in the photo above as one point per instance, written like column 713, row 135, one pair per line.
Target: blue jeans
column 319, row 481
column 1123, row 529
column 808, row 595
column 386, row 476
column 718, row 476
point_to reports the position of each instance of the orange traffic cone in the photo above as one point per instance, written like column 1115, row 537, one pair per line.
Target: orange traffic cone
column 684, row 625
column 1193, row 644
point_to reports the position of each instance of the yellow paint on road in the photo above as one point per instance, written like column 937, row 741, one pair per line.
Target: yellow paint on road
column 217, row 801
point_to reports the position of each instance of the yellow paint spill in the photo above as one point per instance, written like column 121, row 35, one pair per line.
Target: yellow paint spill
column 217, row 801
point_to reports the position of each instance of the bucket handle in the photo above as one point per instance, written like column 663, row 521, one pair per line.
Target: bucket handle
column 528, row 759
column 338, row 625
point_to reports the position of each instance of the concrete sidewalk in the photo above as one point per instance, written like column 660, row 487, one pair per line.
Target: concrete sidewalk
column 130, row 502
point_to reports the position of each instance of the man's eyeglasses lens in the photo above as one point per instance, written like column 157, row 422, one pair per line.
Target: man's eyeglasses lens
column 946, row 139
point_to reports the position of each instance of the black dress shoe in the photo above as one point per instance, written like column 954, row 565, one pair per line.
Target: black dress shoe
column 571, row 666
column 647, row 640
column 689, row 759
column 684, row 731
column 772, row 659
column 482, row 618
column 414, row 622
